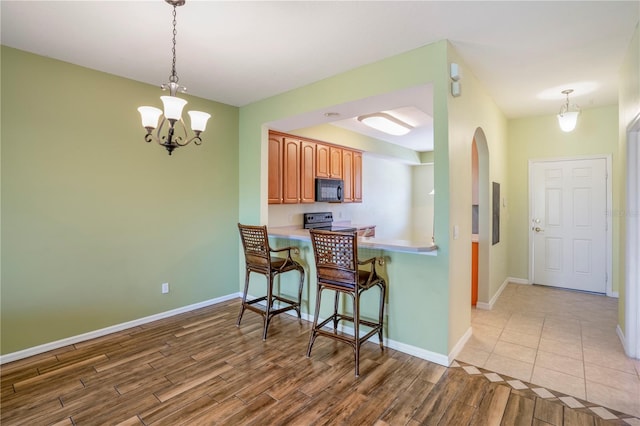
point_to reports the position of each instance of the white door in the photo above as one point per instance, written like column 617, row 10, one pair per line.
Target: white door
column 569, row 224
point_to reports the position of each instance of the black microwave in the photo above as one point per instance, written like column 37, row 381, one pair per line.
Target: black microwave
column 329, row 190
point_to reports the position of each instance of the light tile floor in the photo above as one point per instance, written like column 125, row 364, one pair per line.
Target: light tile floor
column 559, row 339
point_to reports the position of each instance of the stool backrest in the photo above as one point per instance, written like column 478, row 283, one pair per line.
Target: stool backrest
column 336, row 256
column 255, row 242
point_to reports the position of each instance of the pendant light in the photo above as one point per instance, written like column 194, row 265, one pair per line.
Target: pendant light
column 568, row 116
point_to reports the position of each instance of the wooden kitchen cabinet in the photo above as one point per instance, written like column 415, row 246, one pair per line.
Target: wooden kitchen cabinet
column 335, row 162
column 347, row 175
column 352, row 176
column 357, row 177
column 322, row 161
column 291, row 171
column 276, row 148
column 295, row 163
column 307, row 172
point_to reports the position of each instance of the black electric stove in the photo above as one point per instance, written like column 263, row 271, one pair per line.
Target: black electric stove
column 324, row 221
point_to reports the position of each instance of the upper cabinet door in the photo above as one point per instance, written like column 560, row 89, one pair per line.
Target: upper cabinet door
column 347, row 175
column 291, row 175
column 357, row 177
column 308, row 172
column 275, row 168
column 322, row 161
column 335, row 162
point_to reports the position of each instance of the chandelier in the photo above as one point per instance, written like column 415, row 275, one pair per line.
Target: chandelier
column 172, row 131
column 568, row 116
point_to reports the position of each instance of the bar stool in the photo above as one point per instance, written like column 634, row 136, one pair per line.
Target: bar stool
column 336, row 257
column 257, row 254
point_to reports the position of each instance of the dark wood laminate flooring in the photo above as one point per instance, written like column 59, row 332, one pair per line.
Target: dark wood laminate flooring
column 198, row 368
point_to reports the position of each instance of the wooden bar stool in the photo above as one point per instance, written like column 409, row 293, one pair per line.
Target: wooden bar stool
column 257, row 254
column 336, row 257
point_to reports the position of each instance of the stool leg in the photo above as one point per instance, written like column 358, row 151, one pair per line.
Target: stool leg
column 244, row 297
column 356, row 329
column 335, row 310
column 383, row 293
column 312, row 337
column 301, row 270
column 267, row 313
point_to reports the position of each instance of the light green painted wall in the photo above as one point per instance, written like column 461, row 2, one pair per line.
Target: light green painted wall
column 418, row 285
column 539, row 138
column 429, row 296
column 471, row 111
column 93, row 218
column 629, row 108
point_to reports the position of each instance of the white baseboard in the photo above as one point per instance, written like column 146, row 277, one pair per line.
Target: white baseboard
column 399, row 346
column 489, row 306
column 458, row 346
column 518, row 280
column 425, row 354
column 14, row 356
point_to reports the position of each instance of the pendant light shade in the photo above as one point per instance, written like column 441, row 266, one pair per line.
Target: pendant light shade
column 150, row 116
column 173, row 107
column 198, row 120
column 568, row 121
column 568, row 115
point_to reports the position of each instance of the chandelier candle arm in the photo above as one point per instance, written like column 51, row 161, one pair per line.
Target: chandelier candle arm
column 154, row 118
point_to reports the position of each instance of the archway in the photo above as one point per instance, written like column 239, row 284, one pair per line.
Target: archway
column 484, row 214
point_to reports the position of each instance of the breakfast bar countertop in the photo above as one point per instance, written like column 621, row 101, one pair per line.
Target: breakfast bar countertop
column 408, row 246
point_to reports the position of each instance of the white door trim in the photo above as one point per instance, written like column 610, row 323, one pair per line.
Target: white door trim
column 632, row 245
column 609, row 240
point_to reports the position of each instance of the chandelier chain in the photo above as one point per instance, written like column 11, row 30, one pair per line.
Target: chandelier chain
column 174, row 75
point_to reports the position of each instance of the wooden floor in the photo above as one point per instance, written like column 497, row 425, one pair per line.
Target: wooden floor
column 198, row 368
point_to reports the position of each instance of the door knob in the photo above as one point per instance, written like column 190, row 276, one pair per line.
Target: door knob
column 537, row 229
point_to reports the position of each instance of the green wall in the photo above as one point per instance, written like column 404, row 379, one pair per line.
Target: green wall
column 93, row 218
column 471, row 114
column 539, row 138
column 424, row 279
column 428, row 308
column 629, row 108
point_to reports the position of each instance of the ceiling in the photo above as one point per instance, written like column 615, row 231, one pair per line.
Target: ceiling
column 238, row 52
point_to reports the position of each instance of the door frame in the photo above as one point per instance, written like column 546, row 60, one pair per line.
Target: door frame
column 609, row 201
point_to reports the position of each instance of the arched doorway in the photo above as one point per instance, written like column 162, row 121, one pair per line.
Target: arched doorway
column 481, row 199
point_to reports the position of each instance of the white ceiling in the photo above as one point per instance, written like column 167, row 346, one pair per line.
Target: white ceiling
column 238, row 52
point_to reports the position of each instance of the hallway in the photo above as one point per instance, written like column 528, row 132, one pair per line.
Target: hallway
column 558, row 339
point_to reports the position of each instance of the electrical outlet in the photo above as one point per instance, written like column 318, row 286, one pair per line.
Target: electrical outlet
column 165, row 288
